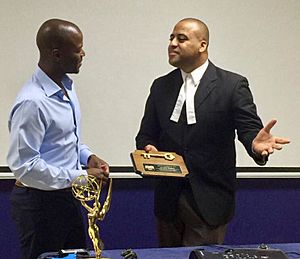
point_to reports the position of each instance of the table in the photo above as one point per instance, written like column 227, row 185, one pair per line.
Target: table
column 292, row 250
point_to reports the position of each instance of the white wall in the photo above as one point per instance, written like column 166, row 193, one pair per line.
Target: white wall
column 126, row 46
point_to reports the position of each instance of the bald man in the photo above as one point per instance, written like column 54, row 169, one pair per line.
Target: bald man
column 45, row 153
column 195, row 111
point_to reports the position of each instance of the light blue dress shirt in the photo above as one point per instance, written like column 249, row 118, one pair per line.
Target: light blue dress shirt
column 45, row 151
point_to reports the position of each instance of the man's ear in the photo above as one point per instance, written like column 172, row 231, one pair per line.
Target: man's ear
column 56, row 54
column 203, row 46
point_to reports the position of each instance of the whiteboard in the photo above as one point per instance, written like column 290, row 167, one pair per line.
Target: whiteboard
column 126, row 49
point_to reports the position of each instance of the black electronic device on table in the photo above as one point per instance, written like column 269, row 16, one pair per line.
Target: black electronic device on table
column 239, row 253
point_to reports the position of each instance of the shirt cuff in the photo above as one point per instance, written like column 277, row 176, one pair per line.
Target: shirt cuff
column 85, row 153
column 259, row 159
column 76, row 174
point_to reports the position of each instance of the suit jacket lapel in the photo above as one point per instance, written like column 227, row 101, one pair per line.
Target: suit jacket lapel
column 206, row 85
column 173, row 89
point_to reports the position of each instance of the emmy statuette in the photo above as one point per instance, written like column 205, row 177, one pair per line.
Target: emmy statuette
column 87, row 189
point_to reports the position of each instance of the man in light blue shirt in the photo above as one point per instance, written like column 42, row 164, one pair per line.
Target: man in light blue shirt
column 45, row 152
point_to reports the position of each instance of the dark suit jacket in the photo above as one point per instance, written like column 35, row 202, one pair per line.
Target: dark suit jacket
column 223, row 106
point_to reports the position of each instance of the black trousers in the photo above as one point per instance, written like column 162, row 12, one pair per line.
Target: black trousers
column 47, row 221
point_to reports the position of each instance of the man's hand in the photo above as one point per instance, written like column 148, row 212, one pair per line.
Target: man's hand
column 96, row 162
column 265, row 143
column 98, row 173
column 149, row 148
column 98, row 168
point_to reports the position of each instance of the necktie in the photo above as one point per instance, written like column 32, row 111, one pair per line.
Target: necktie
column 190, row 90
column 186, row 93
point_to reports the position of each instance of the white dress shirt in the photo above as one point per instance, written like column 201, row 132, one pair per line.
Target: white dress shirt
column 187, row 92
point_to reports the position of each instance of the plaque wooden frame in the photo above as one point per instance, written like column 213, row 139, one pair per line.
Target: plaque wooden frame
column 160, row 163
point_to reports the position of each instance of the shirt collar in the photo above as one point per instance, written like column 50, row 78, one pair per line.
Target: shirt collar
column 196, row 74
column 49, row 86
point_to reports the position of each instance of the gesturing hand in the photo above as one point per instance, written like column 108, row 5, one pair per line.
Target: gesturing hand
column 265, row 143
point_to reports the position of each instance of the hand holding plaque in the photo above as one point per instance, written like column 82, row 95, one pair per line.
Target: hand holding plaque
column 158, row 163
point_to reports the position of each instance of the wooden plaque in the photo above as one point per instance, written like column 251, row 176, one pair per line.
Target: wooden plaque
column 158, row 163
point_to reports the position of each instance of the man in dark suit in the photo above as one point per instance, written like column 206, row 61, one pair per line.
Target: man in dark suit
column 195, row 111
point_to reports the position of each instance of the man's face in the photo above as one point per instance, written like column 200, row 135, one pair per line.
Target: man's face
column 72, row 53
column 184, row 46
